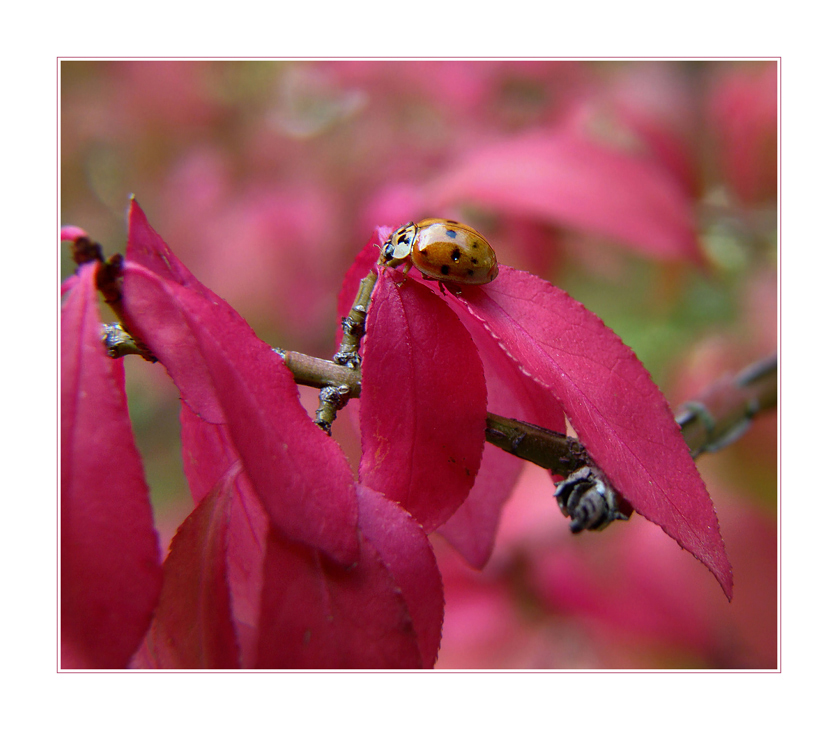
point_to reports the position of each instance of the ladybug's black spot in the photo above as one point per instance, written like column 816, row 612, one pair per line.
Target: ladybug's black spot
column 451, row 234
column 455, row 255
column 474, row 244
column 444, row 269
column 424, row 252
column 453, row 223
column 473, row 260
column 470, row 272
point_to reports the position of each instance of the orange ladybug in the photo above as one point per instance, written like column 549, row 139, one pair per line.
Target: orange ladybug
column 443, row 250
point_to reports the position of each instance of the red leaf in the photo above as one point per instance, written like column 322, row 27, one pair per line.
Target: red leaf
column 423, row 402
column 319, row 615
column 156, row 316
column 159, row 321
column 207, row 453
column 246, row 545
column 472, row 528
column 147, row 248
column 655, row 101
column 210, row 458
column 568, row 180
column 192, row 627
column 402, row 545
column 743, row 115
column 619, row 414
column 110, row 563
column 72, row 233
column 300, row 474
column 399, row 540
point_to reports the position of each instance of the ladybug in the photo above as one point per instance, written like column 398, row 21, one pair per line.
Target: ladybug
column 443, row 250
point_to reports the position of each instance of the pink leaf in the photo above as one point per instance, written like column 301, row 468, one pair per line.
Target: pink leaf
column 325, row 616
column 402, row 545
column 110, row 563
column 246, row 545
column 617, row 411
column 512, row 393
column 471, row 530
column 72, row 233
column 156, row 316
column 209, row 459
column 743, row 114
column 147, row 248
column 192, row 627
column 160, row 323
column 423, row 402
column 207, row 452
column 655, row 102
column 399, row 540
column 301, row 475
column 568, row 180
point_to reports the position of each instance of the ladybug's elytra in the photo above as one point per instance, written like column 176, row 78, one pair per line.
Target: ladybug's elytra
column 443, row 250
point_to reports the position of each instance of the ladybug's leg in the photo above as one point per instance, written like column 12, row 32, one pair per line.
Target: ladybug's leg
column 407, row 265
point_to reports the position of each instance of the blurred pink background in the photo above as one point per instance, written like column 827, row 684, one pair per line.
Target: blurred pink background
column 647, row 190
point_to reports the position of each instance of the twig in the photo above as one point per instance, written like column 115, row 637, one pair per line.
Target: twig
column 719, row 416
column 549, row 449
column 333, row 397
column 724, row 411
column 715, row 419
column 318, row 373
column 353, row 324
column 118, row 336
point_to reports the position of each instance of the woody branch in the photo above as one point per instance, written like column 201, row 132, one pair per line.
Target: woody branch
column 718, row 416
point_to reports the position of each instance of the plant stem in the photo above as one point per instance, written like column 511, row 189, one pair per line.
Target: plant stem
column 549, row 449
column 117, row 336
column 711, row 421
column 318, row 373
column 723, row 411
column 353, row 324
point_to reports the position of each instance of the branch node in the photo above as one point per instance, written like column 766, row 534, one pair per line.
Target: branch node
column 587, row 497
column 332, row 399
column 119, row 343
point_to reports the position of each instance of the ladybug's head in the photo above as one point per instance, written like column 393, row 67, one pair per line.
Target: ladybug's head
column 387, row 252
column 399, row 244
